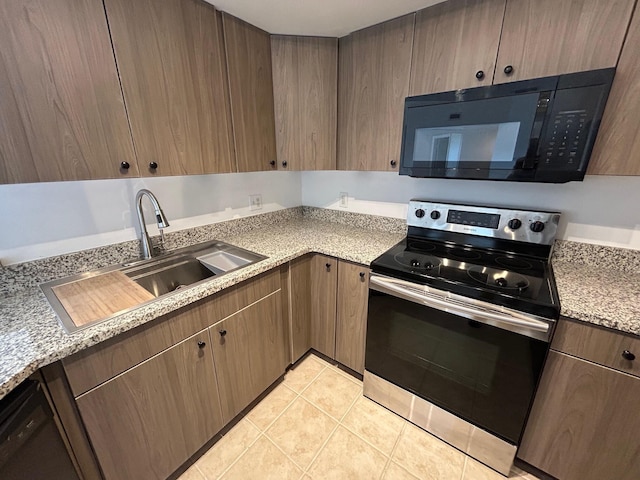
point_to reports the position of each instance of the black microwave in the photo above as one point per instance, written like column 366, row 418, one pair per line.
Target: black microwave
column 540, row 130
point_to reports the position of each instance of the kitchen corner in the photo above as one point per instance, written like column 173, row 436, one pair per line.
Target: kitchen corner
column 32, row 337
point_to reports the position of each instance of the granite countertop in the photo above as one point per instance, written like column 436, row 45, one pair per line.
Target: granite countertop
column 31, row 337
column 598, row 284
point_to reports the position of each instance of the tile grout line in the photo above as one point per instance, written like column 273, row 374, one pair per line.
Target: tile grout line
column 393, row 450
column 224, row 472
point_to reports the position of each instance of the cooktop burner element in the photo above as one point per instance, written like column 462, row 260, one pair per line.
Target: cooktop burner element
column 416, row 261
column 475, row 252
column 503, row 280
column 512, row 262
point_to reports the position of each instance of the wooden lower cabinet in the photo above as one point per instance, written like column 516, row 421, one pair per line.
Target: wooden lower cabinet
column 324, row 283
column 250, row 353
column 148, row 421
column 584, row 423
column 329, row 308
column 300, row 303
column 351, row 318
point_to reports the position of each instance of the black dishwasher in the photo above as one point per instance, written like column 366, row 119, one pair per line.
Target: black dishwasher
column 30, row 444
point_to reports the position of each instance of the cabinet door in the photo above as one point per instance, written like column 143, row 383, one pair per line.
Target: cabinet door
column 351, row 323
column 148, row 421
column 300, row 284
column 584, row 423
column 305, row 91
column 250, row 353
column 171, row 60
column 619, row 133
column 551, row 37
column 62, row 116
column 248, row 53
column 455, row 45
column 324, row 282
column 373, row 81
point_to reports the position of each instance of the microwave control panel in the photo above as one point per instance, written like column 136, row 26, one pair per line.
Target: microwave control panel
column 569, row 133
column 505, row 223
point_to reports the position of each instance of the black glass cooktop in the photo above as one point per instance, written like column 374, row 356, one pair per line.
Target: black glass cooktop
column 515, row 281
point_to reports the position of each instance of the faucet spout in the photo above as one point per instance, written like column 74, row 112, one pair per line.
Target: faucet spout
column 161, row 220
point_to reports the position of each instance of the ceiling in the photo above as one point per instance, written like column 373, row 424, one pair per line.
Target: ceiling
column 327, row 18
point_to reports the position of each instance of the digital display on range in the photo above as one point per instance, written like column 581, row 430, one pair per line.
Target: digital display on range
column 474, row 219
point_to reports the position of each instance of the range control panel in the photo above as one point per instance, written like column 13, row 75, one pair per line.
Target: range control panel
column 505, row 223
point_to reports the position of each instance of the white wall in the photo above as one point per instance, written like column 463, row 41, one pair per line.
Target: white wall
column 44, row 219
column 602, row 209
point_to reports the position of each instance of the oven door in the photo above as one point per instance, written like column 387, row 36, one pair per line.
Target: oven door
column 479, row 362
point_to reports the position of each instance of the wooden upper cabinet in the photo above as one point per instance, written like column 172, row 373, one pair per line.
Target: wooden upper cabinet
column 551, row 37
column 305, row 91
column 61, row 111
column 373, row 81
column 171, row 60
column 618, row 143
column 455, row 45
column 248, row 53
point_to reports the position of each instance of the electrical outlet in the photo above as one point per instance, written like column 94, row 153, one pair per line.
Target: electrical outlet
column 344, row 199
column 255, row 201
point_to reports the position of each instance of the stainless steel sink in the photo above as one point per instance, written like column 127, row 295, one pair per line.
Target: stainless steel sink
column 167, row 274
column 163, row 275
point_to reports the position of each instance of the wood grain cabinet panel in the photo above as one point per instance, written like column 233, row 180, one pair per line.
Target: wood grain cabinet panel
column 248, row 53
column 62, row 116
column 455, row 45
column 171, row 60
column 584, row 423
column 373, row 81
column 305, row 91
column 598, row 345
column 618, row 143
column 250, row 353
column 324, row 284
column 300, row 298
column 148, row 421
column 551, row 37
column 351, row 322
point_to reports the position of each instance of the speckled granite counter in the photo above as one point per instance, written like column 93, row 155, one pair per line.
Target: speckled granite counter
column 31, row 337
column 599, row 285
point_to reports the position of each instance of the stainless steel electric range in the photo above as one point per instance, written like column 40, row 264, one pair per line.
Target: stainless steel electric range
column 460, row 318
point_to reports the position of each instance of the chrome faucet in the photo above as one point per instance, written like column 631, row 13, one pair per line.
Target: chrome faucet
column 147, row 248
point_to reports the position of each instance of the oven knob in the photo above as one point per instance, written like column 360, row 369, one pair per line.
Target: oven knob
column 514, row 224
column 420, row 213
column 435, row 214
column 537, row 226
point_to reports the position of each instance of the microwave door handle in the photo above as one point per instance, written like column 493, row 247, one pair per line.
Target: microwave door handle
column 455, row 307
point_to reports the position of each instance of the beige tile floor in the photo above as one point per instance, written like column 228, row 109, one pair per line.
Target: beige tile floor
column 317, row 425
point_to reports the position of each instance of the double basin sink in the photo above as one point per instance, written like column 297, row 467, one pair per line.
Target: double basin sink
column 160, row 276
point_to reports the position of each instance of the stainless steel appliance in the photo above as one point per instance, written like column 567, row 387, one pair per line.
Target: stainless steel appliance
column 460, row 317
column 540, row 130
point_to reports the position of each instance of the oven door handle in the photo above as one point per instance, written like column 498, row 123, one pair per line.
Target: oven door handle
column 454, row 304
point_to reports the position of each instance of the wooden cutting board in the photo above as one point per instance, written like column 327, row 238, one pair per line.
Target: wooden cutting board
column 98, row 297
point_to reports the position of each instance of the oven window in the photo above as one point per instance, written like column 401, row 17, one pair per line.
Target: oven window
column 481, row 373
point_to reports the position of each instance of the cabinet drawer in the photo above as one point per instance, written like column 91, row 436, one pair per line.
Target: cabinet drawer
column 598, row 345
column 98, row 364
